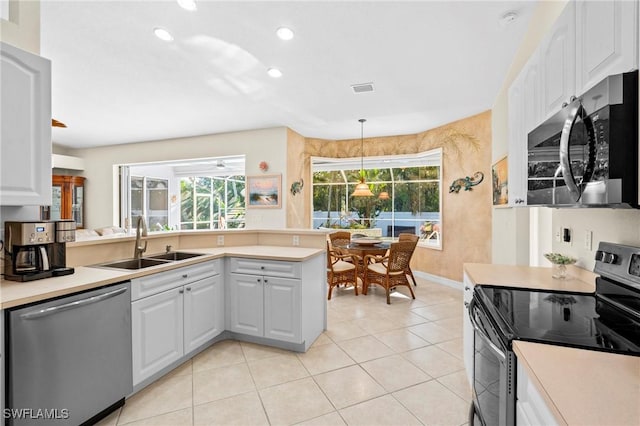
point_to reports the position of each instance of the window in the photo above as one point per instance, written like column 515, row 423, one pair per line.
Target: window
column 212, row 202
column 206, row 193
column 407, row 197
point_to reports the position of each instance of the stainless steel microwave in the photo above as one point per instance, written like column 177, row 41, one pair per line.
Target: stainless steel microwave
column 586, row 155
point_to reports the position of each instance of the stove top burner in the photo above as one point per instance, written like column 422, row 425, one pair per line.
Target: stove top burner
column 570, row 319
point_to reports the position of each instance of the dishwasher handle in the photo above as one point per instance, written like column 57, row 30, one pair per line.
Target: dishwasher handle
column 72, row 305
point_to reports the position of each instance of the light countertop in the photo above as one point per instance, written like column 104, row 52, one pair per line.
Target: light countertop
column 86, row 277
column 581, row 387
column 536, row 278
column 584, row 387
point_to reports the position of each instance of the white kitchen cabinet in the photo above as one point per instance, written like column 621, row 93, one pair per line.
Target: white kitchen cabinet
column 467, row 328
column 557, row 62
column 276, row 301
column 282, row 316
column 265, row 306
column 174, row 313
column 203, row 312
column 531, row 93
column 157, row 332
column 606, row 40
column 531, row 408
column 517, row 145
column 246, row 304
column 25, row 128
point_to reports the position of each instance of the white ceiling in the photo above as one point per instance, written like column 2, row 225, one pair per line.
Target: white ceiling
column 114, row 82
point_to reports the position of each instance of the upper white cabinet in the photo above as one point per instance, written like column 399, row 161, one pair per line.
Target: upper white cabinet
column 606, row 40
column 531, row 93
column 25, row 128
column 517, row 144
column 557, row 62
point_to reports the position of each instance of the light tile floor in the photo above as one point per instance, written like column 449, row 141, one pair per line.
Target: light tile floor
column 377, row 364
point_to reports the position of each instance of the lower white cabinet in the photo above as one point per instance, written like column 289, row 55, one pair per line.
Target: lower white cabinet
column 531, row 408
column 170, row 324
column 467, row 328
column 276, row 301
column 265, row 306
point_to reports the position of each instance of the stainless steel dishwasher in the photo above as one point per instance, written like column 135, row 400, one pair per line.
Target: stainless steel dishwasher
column 69, row 359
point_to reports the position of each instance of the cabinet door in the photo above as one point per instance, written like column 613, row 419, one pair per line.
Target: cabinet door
column 532, row 100
column 157, row 332
column 246, row 308
column 531, row 407
column 203, row 312
column 557, row 62
column 467, row 329
column 606, row 40
column 282, row 304
column 517, row 161
column 25, row 128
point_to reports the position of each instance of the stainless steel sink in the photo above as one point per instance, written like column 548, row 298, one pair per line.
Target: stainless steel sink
column 133, row 263
column 174, row 255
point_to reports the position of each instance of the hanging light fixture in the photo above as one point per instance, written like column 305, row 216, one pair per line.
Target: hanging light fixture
column 384, row 195
column 362, row 189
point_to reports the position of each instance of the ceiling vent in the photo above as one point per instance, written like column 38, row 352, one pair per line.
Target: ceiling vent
column 362, row 88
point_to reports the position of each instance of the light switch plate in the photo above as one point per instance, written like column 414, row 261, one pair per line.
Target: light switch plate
column 296, row 240
column 220, row 240
column 588, row 240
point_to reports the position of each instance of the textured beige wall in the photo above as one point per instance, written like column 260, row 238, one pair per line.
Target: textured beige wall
column 466, row 216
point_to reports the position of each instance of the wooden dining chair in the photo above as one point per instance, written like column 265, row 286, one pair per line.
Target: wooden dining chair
column 341, row 269
column 413, row 238
column 389, row 271
column 339, row 238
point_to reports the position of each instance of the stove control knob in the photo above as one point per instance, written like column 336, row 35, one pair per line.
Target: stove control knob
column 611, row 258
column 600, row 255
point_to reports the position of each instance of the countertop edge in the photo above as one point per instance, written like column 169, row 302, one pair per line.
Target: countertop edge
column 49, row 290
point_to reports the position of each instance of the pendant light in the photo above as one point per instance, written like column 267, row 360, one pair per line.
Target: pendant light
column 362, row 189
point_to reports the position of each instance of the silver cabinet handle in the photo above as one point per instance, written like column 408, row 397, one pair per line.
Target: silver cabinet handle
column 466, row 304
column 188, row 288
column 72, row 305
column 466, row 287
column 266, row 281
column 259, row 280
column 181, row 291
column 185, row 275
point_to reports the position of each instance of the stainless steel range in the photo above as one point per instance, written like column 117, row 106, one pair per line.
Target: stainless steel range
column 607, row 320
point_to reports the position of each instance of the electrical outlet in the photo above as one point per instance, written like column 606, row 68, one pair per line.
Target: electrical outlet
column 559, row 235
column 220, row 240
column 296, row 240
column 588, row 240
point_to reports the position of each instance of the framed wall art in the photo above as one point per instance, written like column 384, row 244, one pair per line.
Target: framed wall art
column 500, row 176
column 264, row 191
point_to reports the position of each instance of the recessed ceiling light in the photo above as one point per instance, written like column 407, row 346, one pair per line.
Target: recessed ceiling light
column 274, row 72
column 284, row 33
column 162, row 34
column 189, row 5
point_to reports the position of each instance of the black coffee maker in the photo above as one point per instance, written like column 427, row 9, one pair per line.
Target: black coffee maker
column 36, row 250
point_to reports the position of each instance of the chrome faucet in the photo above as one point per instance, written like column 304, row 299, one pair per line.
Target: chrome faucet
column 141, row 231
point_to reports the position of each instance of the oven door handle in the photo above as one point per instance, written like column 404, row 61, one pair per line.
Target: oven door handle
column 482, row 333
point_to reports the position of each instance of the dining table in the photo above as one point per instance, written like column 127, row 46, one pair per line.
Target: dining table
column 361, row 250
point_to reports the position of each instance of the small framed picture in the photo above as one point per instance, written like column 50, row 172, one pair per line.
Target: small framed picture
column 500, row 176
column 264, row 191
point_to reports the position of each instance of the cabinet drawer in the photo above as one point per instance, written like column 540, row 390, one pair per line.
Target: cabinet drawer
column 271, row 268
column 156, row 283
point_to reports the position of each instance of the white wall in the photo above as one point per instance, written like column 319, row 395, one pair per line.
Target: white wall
column 101, row 163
